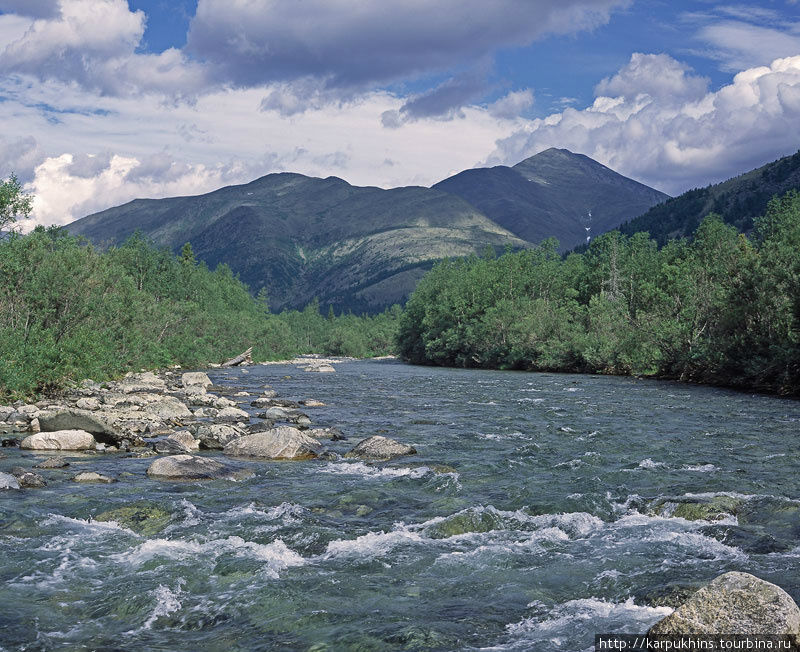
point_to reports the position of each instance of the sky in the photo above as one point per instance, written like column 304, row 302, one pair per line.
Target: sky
column 104, row 101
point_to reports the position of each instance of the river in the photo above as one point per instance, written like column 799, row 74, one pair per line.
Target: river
column 540, row 510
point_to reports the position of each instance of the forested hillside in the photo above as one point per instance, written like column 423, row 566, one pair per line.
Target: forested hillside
column 722, row 308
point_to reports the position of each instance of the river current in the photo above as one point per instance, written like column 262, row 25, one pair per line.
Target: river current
column 541, row 509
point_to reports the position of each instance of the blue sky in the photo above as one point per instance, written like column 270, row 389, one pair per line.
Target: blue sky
column 107, row 100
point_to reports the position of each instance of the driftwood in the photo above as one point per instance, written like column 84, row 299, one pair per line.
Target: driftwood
column 242, row 358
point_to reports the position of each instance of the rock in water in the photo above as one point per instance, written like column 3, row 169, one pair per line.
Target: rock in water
column 28, row 479
column 217, row 435
column 380, row 449
column 192, row 467
column 93, row 476
column 734, row 603
column 282, row 443
column 196, row 378
column 71, row 419
column 52, row 463
column 142, row 517
column 8, row 481
column 61, row 440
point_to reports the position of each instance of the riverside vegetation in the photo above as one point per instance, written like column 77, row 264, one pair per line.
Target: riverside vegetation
column 720, row 308
column 69, row 312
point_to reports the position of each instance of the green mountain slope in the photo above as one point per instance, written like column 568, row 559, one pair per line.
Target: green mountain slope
column 554, row 194
column 737, row 200
column 301, row 237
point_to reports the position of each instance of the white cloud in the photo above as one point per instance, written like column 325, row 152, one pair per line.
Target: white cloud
column 739, row 45
column 675, row 145
column 512, row 105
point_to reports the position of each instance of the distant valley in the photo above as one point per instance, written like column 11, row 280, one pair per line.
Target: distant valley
column 365, row 248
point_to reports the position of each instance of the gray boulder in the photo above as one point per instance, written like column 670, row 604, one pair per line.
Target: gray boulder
column 195, row 379
column 88, row 403
column 185, row 439
column 167, row 408
column 143, row 382
column 192, row 467
column 61, row 440
column 52, row 463
column 282, row 443
column 380, row 449
column 28, row 479
column 734, row 603
column 216, row 436
column 8, row 481
column 232, row 415
column 74, row 419
column 89, row 477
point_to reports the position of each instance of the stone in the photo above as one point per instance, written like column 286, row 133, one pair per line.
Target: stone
column 142, row 517
column 28, row 479
column 711, row 509
column 467, row 521
column 52, row 463
column 196, row 378
column 8, row 481
column 222, row 402
column 93, row 477
column 169, row 446
column 322, row 368
column 217, row 435
column 334, row 434
column 192, row 467
column 380, row 448
column 61, row 440
column 734, row 603
column 89, row 403
column 185, row 438
column 5, row 412
column 232, row 415
column 142, row 382
column 312, row 402
column 167, row 408
column 74, row 419
column 282, row 443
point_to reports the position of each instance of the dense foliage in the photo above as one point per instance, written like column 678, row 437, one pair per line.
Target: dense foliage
column 719, row 308
column 69, row 312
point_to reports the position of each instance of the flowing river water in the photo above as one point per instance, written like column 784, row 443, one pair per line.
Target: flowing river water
column 540, row 510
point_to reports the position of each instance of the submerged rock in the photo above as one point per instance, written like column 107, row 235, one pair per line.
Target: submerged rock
column 710, row 509
column 142, row 517
column 734, row 603
column 192, row 467
column 380, row 448
column 282, row 443
column 470, row 520
column 62, row 440
column 52, row 463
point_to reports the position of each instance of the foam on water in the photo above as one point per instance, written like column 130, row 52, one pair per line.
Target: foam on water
column 167, row 602
column 96, row 527
column 372, row 544
column 647, row 463
column 702, row 468
column 366, row 471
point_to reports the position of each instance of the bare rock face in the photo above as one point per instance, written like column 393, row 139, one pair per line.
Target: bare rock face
column 282, row 443
column 192, row 467
column 380, row 449
column 734, row 603
column 61, row 440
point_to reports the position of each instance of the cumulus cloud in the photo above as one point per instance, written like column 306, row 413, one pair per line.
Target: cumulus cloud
column 93, row 43
column 641, row 130
column 512, row 105
column 20, row 157
column 354, row 43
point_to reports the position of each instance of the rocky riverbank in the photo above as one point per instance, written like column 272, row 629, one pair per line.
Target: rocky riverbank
column 182, row 420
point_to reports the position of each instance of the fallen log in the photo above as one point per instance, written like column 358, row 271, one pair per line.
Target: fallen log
column 242, row 358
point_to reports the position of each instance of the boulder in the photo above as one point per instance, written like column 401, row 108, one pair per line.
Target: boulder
column 217, row 435
column 167, row 408
column 196, row 378
column 192, row 467
column 74, row 419
column 52, row 463
column 28, row 479
column 221, row 402
column 8, row 481
column 707, row 509
column 334, row 434
column 142, row 517
column 185, row 438
column 380, row 448
column 61, row 440
column 142, row 382
column 93, row 477
column 88, row 403
column 734, row 603
column 282, row 443
column 312, row 402
column 232, row 415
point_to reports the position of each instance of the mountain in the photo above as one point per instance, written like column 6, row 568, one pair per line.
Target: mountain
column 553, row 194
column 738, row 200
column 363, row 249
column 301, row 237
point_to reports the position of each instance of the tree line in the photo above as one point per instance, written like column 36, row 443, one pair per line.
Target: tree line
column 69, row 311
column 719, row 308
